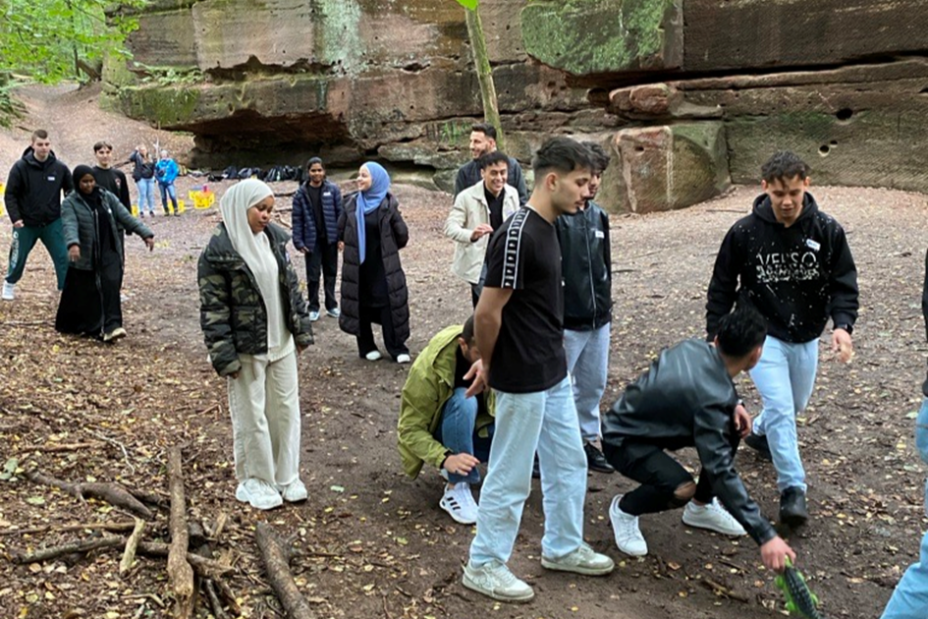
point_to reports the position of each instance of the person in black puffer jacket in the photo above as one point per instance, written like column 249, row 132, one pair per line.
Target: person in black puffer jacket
column 372, row 232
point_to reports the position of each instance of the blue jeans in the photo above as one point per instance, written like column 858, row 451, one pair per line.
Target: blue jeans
column 167, row 190
column 546, row 421
column 910, row 599
column 457, row 432
column 588, row 365
column 146, row 195
column 785, row 377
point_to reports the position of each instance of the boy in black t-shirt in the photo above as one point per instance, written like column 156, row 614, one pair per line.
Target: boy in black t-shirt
column 518, row 324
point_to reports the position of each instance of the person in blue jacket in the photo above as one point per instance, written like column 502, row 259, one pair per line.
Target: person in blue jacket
column 166, row 172
column 317, row 205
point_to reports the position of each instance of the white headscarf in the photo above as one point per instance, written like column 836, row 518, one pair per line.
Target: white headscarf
column 255, row 250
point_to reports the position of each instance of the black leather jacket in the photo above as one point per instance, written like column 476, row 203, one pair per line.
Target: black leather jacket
column 687, row 399
column 586, row 266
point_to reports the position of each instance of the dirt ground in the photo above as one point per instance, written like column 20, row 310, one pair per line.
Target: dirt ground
column 372, row 543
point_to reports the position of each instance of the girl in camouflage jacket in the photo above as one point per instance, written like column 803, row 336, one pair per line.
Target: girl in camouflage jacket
column 255, row 322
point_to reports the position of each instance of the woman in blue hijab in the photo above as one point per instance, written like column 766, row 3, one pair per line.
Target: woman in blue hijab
column 373, row 282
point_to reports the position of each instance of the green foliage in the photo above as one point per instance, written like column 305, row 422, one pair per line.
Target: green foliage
column 469, row 4
column 47, row 40
column 169, row 76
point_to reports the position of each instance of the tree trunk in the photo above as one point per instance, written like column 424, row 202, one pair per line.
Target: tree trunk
column 478, row 45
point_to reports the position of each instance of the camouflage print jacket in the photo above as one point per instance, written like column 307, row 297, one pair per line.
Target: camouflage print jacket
column 232, row 312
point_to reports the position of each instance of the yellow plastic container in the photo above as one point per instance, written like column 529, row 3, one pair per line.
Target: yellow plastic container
column 181, row 207
column 2, row 191
column 202, row 199
column 135, row 210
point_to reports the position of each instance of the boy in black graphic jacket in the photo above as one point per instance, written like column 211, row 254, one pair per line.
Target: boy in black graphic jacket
column 792, row 262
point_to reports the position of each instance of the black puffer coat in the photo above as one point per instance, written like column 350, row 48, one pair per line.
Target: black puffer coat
column 393, row 237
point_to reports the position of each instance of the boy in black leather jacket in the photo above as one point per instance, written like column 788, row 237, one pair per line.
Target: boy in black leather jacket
column 687, row 399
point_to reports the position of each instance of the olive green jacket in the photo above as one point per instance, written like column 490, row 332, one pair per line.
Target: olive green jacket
column 232, row 312
column 429, row 385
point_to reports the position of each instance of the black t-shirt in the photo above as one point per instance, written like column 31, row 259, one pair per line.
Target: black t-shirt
column 524, row 255
column 496, row 206
column 315, row 200
column 114, row 181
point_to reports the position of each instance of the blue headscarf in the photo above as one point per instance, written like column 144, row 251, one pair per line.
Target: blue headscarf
column 369, row 200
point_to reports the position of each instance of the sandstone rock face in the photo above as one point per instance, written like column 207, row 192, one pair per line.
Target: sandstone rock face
column 610, row 36
column 665, row 167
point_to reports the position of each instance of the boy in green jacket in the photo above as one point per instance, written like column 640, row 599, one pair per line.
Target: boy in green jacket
column 440, row 425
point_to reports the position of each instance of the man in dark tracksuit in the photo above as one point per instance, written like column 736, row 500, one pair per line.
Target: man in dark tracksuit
column 317, row 205
column 687, row 399
column 792, row 262
column 586, row 264
column 483, row 142
column 33, row 199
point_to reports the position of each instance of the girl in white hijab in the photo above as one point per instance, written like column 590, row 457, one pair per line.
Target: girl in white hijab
column 255, row 321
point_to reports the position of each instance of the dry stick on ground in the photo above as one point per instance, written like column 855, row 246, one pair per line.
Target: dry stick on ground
column 88, row 526
column 276, row 559
column 66, row 549
column 720, row 589
column 57, row 447
column 180, row 574
column 226, row 592
column 214, row 602
column 131, row 546
column 111, row 492
column 202, row 567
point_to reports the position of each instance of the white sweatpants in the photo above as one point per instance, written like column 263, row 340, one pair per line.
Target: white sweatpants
column 265, row 404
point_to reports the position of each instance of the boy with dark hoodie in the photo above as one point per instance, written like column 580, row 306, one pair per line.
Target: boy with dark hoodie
column 687, row 399
column 792, row 262
column 33, row 200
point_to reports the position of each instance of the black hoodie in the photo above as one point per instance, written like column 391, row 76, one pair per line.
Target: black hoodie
column 33, row 189
column 797, row 277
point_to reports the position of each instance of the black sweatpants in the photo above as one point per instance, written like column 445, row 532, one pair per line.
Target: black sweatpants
column 384, row 316
column 324, row 258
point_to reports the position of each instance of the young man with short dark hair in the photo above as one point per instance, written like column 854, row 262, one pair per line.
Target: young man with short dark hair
column 477, row 212
column 33, row 199
column 108, row 177
column 792, row 262
column 317, row 205
column 520, row 335
column 440, row 424
column 587, row 266
column 687, row 399
column 483, row 142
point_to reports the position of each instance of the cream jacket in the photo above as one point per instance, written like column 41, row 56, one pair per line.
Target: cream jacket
column 469, row 211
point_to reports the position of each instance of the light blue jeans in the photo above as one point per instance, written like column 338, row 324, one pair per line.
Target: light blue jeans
column 910, row 599
column 546, row 421
column 456, row 432
column 785, row 377
column 588, row 364
column 146, row 195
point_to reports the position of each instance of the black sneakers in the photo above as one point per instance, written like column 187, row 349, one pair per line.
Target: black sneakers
column 793, row 512
column 759, row 444
column 595, row 459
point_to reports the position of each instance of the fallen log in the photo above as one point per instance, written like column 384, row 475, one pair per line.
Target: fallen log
column 113, row 493
column 132, row 544
column 180, row 574
column 57, row 447
column 202, row 566
column 276, row 558
column 88, row 526
column 54, row 552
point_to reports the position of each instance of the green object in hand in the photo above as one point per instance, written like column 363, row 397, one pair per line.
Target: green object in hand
column 799, row 599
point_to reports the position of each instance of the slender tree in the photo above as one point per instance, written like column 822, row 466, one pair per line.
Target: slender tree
column 478, row 46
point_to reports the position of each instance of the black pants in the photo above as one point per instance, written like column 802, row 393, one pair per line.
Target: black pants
column 323, row 258
column 475, row 293
column 366, row 343
column 659, row 474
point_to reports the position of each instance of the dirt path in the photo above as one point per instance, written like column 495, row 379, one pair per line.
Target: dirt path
column 376, row 544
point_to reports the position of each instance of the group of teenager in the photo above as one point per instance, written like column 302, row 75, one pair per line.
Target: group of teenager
column 522, row 379
column 84, row 234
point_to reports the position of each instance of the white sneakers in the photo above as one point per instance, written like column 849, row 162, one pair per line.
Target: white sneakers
column 713, row 517
column 9, row 291
column 259, row 494
column 583, row 560
column 294, row 492
column 628, row 536
column 373, row 355
column 333, row 313
column 403, row 358
column 496, row 581
column 459, row 502
column 313, row 316
column 116, row 334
